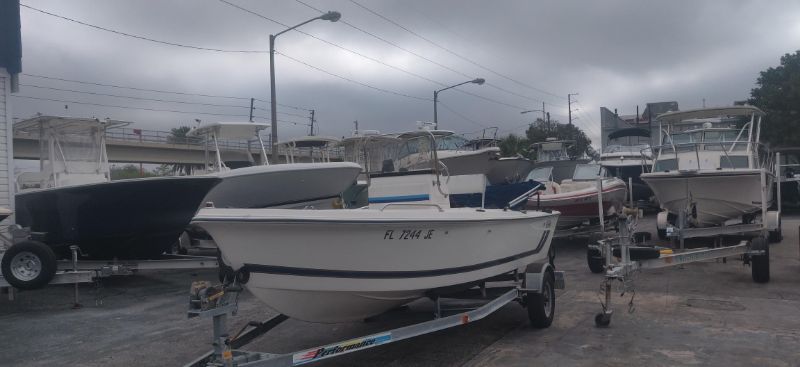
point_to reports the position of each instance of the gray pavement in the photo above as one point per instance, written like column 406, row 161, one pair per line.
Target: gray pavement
column 708, row 313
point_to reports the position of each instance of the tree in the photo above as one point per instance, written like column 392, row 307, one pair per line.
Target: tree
column 128, row 171
column 513, row 145
column 177, row 135
column 777, row 93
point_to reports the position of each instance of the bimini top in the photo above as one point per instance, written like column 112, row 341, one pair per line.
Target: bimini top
column 229, row 130
column 704, row 113
column 423, row 132
column 311, row 142
column 65, row 125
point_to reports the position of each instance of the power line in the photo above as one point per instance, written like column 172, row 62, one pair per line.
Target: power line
column 131, row 97
column 145, row 108
column 157, row 99
column 381, row 62
column 452, row 52
column 139, row 37
column 353, row 81
column 465, row 118
column 156, row 90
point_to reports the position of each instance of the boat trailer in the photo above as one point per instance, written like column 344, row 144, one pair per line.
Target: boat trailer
column 534, row 289
column 622, row 257
column 77, row 271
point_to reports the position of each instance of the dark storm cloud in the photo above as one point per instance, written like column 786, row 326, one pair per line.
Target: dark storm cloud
column 614, row 53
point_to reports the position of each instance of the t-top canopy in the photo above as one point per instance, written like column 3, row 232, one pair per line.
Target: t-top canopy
column 705, row 113
column 65, row 125
column 423, row 132
column 229, row 130
column 311, row 142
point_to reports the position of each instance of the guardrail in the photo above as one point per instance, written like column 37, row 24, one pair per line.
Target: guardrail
column 128, row 135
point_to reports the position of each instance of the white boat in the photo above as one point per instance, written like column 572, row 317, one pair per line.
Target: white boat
column 294, row 185
column 346, row 265
column 710, row 164
column 502, row 170
column 576, row 198
column 628, row 161
column 452, row 150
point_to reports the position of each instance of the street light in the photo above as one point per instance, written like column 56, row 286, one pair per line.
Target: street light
column 477, row 81
column 331, row 16
column 529, row 111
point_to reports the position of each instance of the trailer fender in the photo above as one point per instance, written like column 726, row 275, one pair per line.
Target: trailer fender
column 536, row 273
column 772, row 220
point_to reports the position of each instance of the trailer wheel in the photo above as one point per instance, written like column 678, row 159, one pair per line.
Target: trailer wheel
column 595, row 260
column 29, row 265
column 602, row 319
column 542, row 306
column 759, row 264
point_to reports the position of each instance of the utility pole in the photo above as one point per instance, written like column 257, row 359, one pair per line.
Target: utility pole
column 312, row 123
column 543, row 111
column 356, row 123
column 569, row 106
column 252, row 101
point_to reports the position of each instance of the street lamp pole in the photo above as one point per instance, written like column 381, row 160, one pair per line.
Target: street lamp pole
column 331, row 16
column 478, row 81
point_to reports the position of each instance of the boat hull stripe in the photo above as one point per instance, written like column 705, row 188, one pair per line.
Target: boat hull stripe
column 399, row 198
column 327, row 273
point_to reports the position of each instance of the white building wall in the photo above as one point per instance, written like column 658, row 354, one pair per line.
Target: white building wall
column 6, row 142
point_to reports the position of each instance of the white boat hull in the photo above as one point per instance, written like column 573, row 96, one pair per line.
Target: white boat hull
column 345, row 265
column 285, row 185
column 717, row 196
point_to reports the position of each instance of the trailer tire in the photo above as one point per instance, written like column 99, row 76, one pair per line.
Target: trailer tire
column 595, row 260
column 29, row 265
column 542, row 306
column 759, row 264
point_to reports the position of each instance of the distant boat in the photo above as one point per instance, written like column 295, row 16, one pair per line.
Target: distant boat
column 629, row 161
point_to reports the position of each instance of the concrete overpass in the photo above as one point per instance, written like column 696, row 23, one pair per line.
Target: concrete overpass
column 126, row 145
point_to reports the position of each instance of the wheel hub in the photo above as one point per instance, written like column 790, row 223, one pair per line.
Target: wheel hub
column 26, row 266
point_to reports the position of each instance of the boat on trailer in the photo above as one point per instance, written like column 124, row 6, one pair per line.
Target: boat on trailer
column 711, row 166
column 349, row 264
column 71, row 201
column 577, row 198
column 336, row 265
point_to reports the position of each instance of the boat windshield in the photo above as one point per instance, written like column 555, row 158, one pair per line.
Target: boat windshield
column 585, row 172
column 541, row 174
column 451, row 142
column 626, row 148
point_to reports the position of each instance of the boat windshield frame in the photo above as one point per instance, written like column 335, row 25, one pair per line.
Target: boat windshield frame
column 584, row 172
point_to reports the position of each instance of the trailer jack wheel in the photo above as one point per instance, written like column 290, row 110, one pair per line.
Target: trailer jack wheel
column 602, row 319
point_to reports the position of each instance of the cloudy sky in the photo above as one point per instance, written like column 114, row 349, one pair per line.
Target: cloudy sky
column 381, row 63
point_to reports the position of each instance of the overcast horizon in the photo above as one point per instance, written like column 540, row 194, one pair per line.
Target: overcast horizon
column 615, row 54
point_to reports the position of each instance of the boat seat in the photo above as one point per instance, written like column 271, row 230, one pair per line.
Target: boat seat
column 551, row 187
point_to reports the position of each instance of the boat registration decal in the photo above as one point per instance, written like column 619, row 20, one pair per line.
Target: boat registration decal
column 331, row 350
column 408, row 234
